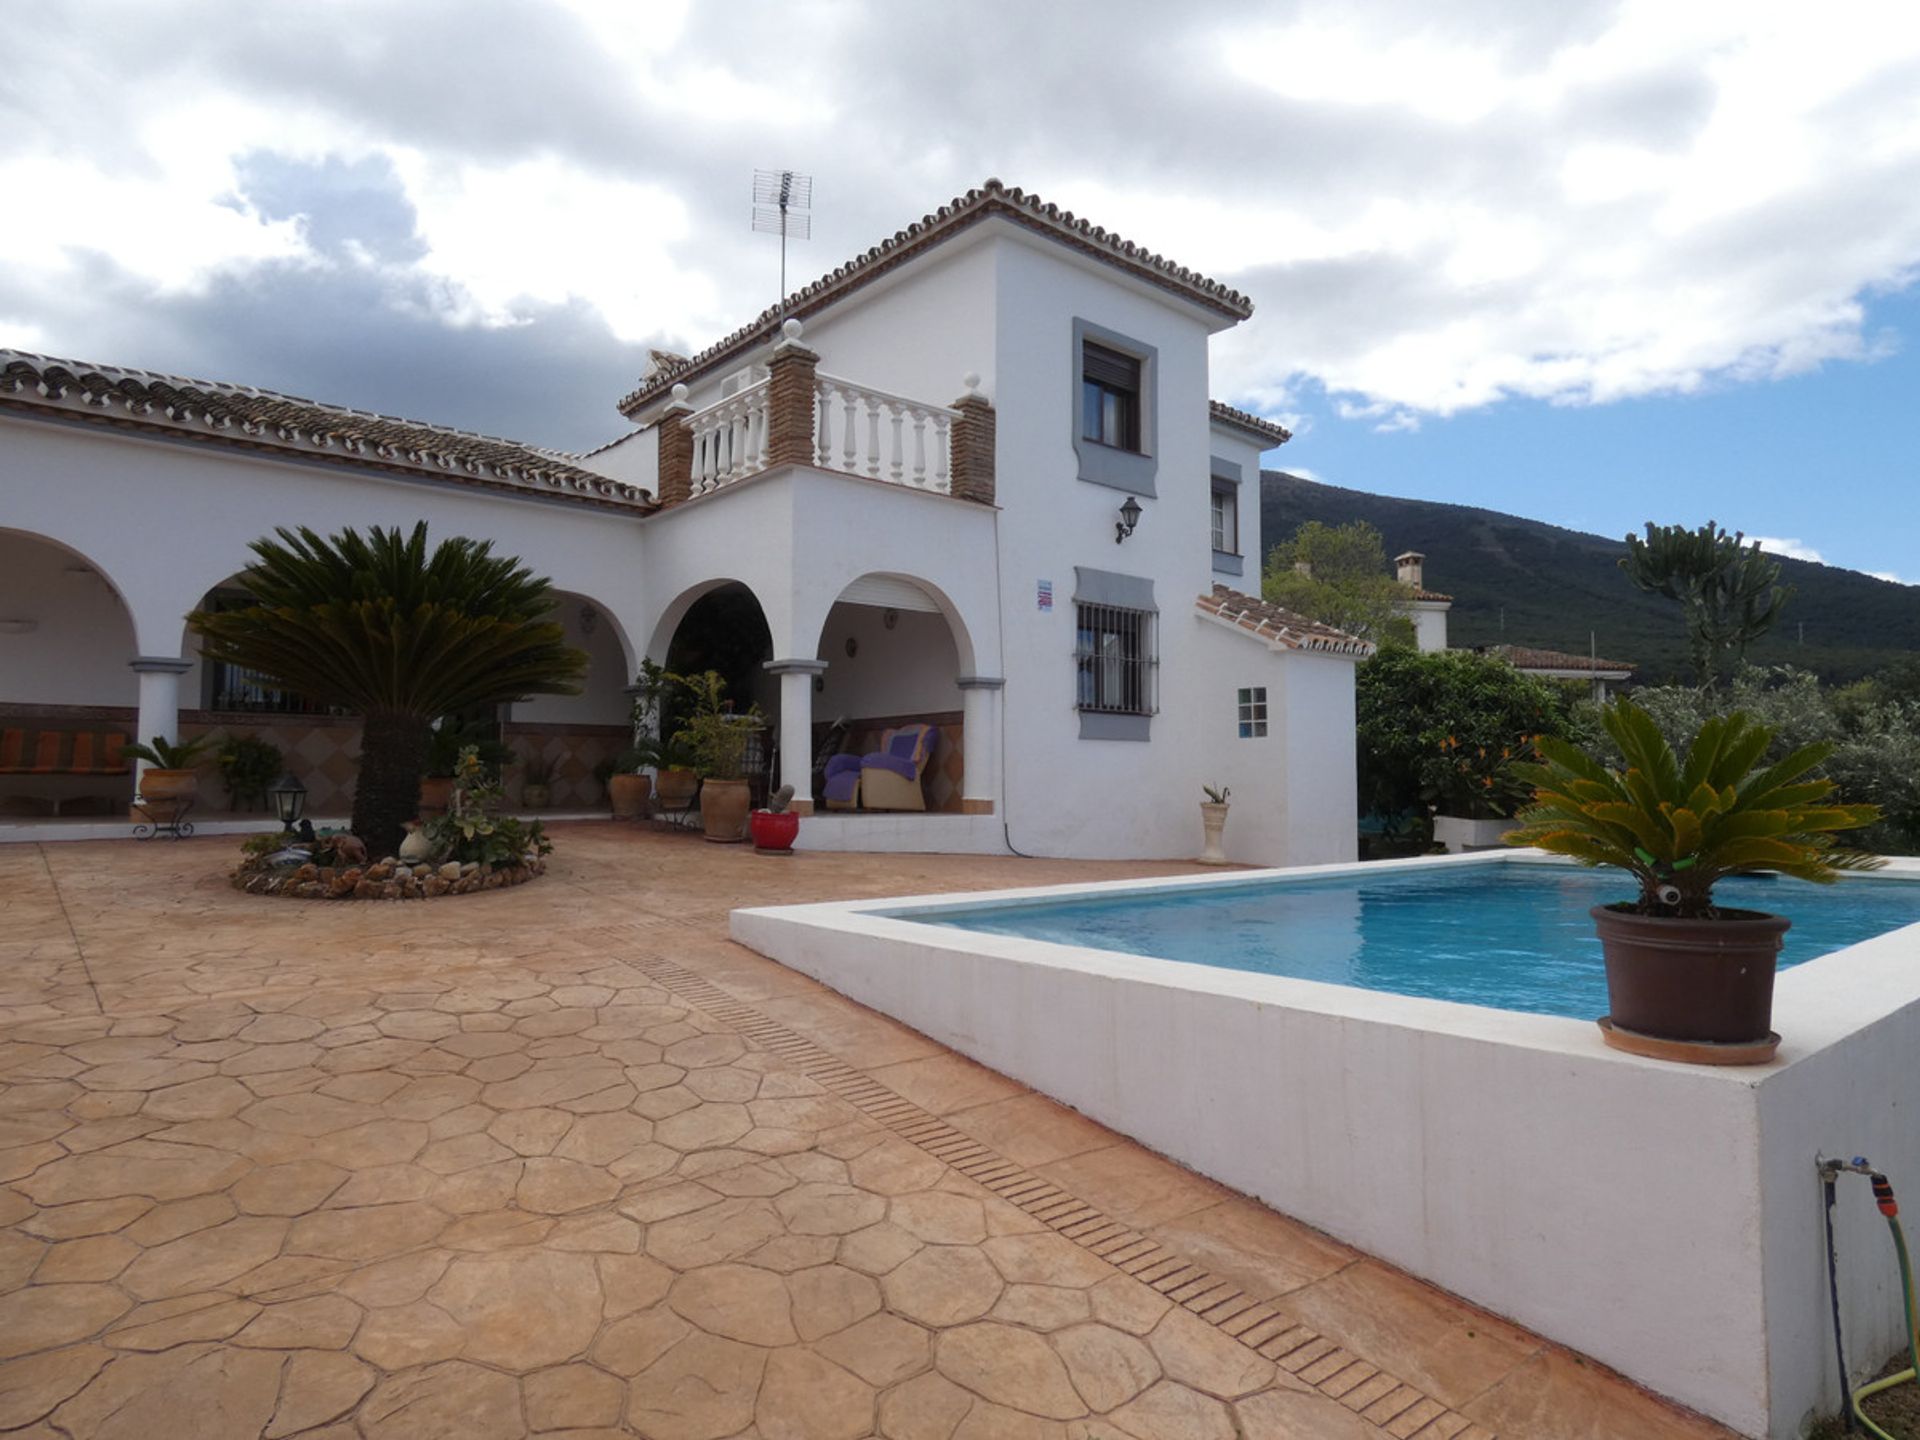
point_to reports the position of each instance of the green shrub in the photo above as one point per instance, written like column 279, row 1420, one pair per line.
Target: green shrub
column 1444, row 729
column 1871, row 729
column 473, row 830
column 249, row 766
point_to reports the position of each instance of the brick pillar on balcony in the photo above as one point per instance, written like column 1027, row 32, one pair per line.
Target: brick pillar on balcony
column 791, row 402
column 676, row 449
column 973, row 446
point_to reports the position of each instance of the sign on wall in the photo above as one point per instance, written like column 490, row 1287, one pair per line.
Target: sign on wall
column 1044, row 595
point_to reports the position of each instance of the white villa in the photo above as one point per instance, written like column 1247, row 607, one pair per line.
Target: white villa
column 971, row 479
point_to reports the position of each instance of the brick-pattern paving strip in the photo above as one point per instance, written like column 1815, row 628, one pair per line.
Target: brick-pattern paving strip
column 1370, row 1391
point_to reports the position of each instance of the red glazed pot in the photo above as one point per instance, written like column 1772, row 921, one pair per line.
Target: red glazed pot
column 773, row 831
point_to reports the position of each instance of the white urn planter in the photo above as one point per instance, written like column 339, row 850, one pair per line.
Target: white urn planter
column 1213, row 819
column 1457, row 835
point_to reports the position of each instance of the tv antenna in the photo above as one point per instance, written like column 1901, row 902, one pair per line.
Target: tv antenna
column 782, row 205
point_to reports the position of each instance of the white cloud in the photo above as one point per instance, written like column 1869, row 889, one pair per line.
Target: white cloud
column 1434, row 209
column 1792, row 549
column 1889, row 576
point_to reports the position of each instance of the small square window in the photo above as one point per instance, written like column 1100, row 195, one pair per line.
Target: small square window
column 1253, row 712
column 1109, row 397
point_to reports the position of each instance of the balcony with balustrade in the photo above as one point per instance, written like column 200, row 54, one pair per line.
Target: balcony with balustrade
column 792, row 413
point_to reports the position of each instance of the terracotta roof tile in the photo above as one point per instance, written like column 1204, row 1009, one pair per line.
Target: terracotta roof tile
column 1526, row 657
column 1278, row 625
column 963, row 211
column 1241, row 419
column 264, row 420
column 1432, row 595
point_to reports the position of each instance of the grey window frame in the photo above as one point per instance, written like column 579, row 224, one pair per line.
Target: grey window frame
column 1133, row 471
column 1226, row 479
column 1106, row 596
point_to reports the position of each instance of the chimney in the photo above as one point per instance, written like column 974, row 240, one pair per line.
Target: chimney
column 1410, row 565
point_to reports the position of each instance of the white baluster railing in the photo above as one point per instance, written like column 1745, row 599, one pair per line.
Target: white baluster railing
column 729, row 438
column 863, row 431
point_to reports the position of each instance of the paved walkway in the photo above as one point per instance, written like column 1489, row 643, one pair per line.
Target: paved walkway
column 565, row 1160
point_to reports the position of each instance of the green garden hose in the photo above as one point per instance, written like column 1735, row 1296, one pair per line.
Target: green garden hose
column 1889, row 1207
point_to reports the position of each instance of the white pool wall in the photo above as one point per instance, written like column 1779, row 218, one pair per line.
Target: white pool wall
column 1621, row 1206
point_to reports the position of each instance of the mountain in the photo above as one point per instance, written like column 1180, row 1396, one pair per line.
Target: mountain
column 1527, row 583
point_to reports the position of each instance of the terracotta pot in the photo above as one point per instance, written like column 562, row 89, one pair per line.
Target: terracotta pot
column 676, row 788
column 1213, row 821
column 436, row 794
column 629, row 795
column 163, row 792
column 537, row 797
column 723, row 810
column 1703, row 981
column 773, row 831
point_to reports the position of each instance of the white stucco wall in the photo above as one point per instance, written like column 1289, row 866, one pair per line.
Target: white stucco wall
column 77, row 652
column 602, row 699
column 1293, row 790
column 1429, row 624
column 908, row 670
column 72, row 484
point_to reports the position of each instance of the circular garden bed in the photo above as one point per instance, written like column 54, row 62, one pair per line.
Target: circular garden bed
column 383, row 879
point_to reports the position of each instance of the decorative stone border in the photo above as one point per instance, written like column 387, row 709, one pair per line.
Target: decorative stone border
column 383, row 880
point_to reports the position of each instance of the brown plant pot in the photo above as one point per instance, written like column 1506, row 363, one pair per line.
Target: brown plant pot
column 1705, row 982
column 163, row 792
column 723, row 810
column 436, row 794
column 536, row 797
column 676, row 788
column 629, row 795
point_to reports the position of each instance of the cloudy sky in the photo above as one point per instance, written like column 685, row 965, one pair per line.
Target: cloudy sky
column 1596, row 263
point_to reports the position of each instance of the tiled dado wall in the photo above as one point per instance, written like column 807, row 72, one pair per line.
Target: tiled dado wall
column 322, row 751
column 944, row 773
column 574, row 751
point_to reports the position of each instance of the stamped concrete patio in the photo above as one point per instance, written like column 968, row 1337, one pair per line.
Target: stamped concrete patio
column 565, row 1160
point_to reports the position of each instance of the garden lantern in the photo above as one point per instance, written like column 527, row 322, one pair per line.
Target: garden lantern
column 289, row 798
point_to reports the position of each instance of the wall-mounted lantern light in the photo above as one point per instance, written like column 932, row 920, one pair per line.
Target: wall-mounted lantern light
column 1129, row 517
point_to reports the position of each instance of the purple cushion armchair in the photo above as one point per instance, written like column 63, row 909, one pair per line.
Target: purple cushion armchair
column 890, row 777
column 842, row 789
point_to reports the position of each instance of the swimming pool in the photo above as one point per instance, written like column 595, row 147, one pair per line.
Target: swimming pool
column 1513, row 937
column 1507, row 1156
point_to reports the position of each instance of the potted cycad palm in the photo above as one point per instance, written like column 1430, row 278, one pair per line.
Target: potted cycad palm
column 1687, row 979
column 169, row 782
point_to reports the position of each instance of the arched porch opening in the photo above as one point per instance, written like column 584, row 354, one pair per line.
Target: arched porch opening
column 898, row 664
column 723, row 627
column 567, row 742
column 68, row 693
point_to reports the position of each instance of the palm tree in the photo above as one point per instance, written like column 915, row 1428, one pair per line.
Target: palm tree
column 377, row 625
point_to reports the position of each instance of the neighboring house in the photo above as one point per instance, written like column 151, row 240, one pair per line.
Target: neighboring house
column 1426, row 608
column 970, row 479
column 1428, row 611
column 1600, row 675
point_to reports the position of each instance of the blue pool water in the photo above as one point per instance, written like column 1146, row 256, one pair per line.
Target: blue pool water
column 1514, row 937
